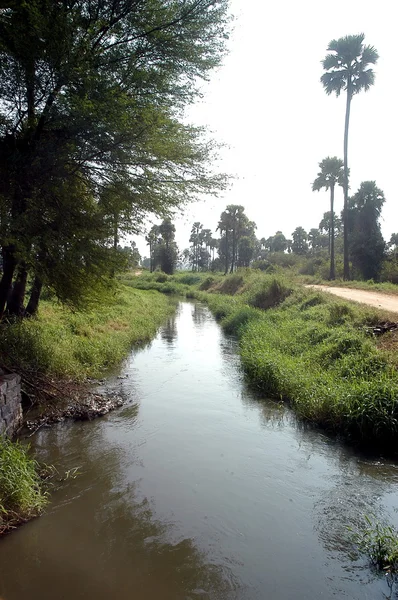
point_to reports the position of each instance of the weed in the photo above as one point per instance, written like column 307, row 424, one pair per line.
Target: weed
column 21, row 494
column 379, row 543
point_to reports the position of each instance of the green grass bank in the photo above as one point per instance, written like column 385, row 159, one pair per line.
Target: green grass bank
column 77, row 345
column 298, row 345
column 21, row 492
column 69, row 346
column 314, row 351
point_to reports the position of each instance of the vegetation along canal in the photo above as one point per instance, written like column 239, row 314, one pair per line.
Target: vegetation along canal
column 197, row 489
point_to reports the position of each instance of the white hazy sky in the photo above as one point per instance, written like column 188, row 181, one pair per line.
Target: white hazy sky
column 268, row 105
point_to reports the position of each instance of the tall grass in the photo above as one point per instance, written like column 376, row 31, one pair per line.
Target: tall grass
column 314, row 351
column 21, row 494
column 83, row 344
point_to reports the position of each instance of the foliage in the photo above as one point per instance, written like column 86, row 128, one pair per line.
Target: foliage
column 163, row 250
column 66, row 343
column 21, row 494
column 92, row 135
column 331, row 173
column 299, row 244
column 367, row 246
column 380, row 544
column 348, row 67
column 233, row 226
column 314, row 351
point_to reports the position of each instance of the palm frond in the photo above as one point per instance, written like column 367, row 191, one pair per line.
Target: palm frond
column 369, row 56
column 334, row 82
column 331, row 61
column 363, row 81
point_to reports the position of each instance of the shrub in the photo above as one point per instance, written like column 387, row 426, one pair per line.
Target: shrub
column 21, row 494
column 270, row 293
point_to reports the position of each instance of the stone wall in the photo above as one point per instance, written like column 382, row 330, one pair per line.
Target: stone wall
column 10, row 403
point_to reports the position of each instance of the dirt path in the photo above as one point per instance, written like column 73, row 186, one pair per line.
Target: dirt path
column 377, row 299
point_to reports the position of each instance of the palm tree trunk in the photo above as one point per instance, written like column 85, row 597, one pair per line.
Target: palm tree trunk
column 332, row 269
column 346, row 273
column 226, row 252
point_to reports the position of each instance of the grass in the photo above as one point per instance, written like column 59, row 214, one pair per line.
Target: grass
column 78, row 345
column 21, row 494
column 379, row 542
column 69, row 345
column 314, row 351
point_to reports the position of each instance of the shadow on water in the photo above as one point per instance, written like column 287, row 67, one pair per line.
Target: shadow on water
column 98, row 540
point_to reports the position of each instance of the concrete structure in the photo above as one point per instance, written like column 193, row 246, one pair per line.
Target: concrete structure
column 10, row 403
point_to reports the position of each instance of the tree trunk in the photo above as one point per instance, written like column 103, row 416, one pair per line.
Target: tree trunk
column 346, row 274
column 332, row 268
column 233, row 250
column 226, row 253
column 33, row 303
column 15, row 304
column 9, row 264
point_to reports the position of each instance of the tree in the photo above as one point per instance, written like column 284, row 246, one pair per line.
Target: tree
column 278, row 242
column 91, row 96
column 393, row 243
column 331, row 173
column 246, row 249
column 367, row 246
column 196, row 240
column 348, row 68
column 165, row 253
column 317, row 241
column 152, row 239
column 299, row 244
column 233, row 225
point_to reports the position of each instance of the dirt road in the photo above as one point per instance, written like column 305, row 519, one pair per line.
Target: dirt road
column 377, row 299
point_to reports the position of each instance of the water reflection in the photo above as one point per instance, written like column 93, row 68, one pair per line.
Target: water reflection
column 99, row 540
column 168, row 332
column 196, row 479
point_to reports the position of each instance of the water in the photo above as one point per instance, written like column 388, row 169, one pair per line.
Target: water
column 197, row 489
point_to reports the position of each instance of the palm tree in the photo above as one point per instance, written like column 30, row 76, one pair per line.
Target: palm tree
column 348, row 69
column 331, row 172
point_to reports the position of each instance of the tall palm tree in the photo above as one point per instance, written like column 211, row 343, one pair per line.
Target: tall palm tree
column 331, row 172
column 348, row 69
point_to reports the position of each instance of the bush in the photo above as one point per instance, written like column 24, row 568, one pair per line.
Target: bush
column 21, row 494
column 269, row 293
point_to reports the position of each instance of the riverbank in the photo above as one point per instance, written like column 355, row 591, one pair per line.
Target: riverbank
column 315, row 351
column 56, row 353
column 318, row 352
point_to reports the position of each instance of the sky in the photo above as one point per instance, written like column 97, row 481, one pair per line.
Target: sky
column 267, row 105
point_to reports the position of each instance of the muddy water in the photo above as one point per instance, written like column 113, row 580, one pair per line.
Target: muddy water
column 197, row 489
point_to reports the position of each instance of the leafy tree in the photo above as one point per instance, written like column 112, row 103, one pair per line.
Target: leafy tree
column 348, row 68
column 91, row 96
column 196, row 241
column 317, row 241
column 233, row 225
column 152, row 239
column 393, row 243
column 331, row 173
column 299, row 244
column 278, row 242
column 326, row 224
column 165, row 250
column 246, row 249
column 367, row 246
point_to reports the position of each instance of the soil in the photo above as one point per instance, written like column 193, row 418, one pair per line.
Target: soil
column 376, row 299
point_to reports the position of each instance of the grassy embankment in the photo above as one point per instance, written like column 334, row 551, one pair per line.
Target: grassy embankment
column 308, row 348
column 60, row 343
